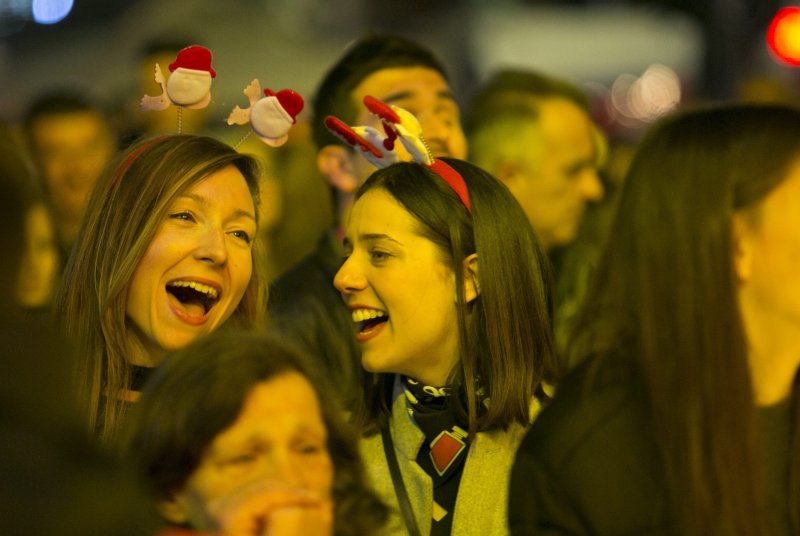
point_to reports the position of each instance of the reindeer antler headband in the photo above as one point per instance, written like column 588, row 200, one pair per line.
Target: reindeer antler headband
column 378, row 148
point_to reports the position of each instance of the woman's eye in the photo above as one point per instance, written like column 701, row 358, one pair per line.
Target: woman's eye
column 377, row 255
column 241, row 459
column 309, row 448
column 185, row 216
column 243, row 235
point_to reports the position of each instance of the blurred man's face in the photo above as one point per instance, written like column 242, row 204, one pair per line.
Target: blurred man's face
column 71, row 149
column 561, row 176
column 423, row 92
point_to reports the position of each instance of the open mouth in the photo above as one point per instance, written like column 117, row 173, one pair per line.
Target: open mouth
column 196, row 298
column 368, row 319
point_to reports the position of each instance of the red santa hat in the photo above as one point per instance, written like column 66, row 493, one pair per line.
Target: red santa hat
column 291, row 101
column 194, row 57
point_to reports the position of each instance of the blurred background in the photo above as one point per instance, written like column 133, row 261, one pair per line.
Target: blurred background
column 637, row 59
column 661, row 49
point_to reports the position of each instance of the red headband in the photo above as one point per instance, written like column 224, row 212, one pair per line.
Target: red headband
column 123, row 168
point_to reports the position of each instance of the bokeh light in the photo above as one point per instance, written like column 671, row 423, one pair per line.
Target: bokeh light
column 783, row 36
column 50, row 11
column 638, row 100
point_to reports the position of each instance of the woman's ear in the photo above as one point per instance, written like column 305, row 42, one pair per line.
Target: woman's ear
column 174, row 509
column 336, row 166
column 741, row 236
column 472, row 286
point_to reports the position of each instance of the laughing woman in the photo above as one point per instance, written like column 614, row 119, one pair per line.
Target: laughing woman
column 164, row 256
column 449, row 299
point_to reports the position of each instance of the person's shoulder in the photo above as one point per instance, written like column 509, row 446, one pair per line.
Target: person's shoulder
column 598, row 404
column 590, row 461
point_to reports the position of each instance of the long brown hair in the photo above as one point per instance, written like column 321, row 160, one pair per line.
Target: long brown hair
column 665, row 300
column 505, row 343
column 126, row 207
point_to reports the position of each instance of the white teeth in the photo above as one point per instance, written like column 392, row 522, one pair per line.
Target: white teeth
column 209, row 291
column 359, row 315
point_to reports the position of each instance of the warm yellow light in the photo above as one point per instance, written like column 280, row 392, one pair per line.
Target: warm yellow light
column 783, row 35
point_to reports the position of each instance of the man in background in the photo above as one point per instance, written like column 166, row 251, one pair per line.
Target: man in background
column 535, row 134
column 71, row 140
column 303, row 302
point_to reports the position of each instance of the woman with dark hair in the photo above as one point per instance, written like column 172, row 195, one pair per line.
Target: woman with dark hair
column 164, row 256
column 238, row 434
column 680, row 417
column 444, row 280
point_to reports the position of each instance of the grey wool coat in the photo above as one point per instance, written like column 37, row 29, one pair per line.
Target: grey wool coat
column 482, row 502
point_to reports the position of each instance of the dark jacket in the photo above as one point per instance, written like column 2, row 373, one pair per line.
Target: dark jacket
column 306, row 307
column 589, row 464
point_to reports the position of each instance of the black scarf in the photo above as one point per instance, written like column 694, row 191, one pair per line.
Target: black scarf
column 445, row 448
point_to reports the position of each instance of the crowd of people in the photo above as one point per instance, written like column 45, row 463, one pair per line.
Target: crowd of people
column 492, row 335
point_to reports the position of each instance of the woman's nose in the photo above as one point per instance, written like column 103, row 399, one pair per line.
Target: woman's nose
column 280, row 466
column 212, row 248
column 591, row 186
column 348, row 279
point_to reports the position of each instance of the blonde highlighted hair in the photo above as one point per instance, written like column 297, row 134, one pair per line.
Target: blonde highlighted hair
column 126, row 207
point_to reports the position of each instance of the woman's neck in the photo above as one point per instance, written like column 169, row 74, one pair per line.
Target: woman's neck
column 435, row 373
column 773, row 351
column 138, row 352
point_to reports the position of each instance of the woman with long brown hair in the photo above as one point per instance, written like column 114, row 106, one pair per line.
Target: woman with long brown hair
column 680, row 416
column 164, row 256
column 446, row 285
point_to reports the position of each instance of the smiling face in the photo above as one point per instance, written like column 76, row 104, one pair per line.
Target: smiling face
column 278, row 442
column 401, row 293
column 196, row 269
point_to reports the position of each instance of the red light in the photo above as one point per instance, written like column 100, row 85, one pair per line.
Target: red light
column 783, row 36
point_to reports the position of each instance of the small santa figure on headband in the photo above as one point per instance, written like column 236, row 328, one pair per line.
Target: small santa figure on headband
column 189, row 83
column 270, row 116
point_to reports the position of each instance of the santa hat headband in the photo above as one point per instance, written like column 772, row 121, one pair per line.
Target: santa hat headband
column 194, row 57
column 271, row 115
column 398, row 125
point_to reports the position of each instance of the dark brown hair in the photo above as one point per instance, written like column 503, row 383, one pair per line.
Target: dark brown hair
column 505, row 343
column 199, row 391
column 664, row 299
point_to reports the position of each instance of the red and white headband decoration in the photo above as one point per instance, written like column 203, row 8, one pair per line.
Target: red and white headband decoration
column 189, row 86
column 270, row 117
column 379, row 148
